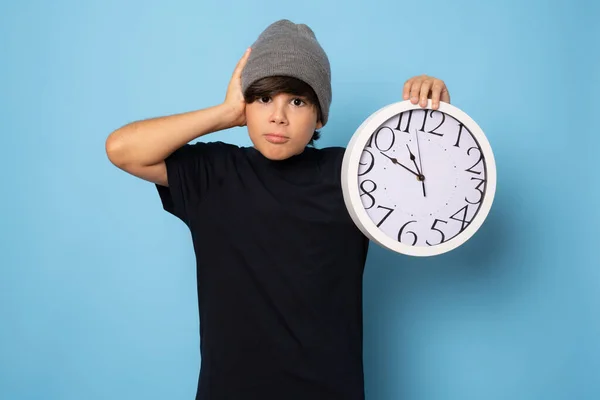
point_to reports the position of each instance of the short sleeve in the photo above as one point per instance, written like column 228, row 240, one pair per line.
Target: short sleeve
column 191, row 171
column 331, row 164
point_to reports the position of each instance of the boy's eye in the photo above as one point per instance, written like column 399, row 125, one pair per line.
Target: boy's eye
column 265, row 99
column 298, row 102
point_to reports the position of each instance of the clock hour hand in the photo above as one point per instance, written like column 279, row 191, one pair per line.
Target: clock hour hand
column 412, row 158
column 396, row 162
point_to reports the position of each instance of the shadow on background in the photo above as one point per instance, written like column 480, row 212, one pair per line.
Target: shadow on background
column 398, row 288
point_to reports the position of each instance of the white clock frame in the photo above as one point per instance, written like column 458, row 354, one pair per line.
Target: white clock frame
column 350, row 185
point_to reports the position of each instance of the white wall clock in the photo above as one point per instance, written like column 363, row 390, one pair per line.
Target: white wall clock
column 419, row 181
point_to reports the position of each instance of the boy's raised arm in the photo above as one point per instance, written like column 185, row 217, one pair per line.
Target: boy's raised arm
column 141, row 147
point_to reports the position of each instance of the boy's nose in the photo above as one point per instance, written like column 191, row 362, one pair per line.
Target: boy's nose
column 278, row 115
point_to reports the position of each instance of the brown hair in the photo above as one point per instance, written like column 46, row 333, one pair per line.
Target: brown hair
column 272, row 85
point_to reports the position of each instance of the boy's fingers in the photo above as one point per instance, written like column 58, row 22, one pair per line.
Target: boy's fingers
column 420, row 88
column 445, row 97
column 415, row 90
column 242, row 63
column 406, row 90
column 424, row 92
column 436, row 92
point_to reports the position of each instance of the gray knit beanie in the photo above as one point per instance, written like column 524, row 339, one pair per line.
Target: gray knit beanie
column 289, row 49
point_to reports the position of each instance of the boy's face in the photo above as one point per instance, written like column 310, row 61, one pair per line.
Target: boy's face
column 282, row 125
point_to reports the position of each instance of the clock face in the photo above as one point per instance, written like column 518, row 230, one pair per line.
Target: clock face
column 422, row 177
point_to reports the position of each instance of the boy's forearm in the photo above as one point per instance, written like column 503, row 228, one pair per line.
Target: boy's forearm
column 148, row 142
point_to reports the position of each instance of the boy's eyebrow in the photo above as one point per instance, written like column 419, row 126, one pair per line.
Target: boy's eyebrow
column 300, row 96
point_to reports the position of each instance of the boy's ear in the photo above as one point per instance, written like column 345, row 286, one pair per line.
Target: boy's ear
column 319, row 125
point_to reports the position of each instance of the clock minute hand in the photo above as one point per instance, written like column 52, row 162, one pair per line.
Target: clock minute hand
column 396, row 162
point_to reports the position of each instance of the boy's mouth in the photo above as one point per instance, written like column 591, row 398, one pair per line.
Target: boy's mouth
column 276, row 138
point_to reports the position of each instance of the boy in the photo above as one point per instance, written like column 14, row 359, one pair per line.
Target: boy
column 279, row 260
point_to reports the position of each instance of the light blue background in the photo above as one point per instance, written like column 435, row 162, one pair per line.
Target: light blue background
column 97, row 282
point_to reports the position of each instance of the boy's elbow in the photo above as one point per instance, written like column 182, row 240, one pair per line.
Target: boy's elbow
column 114, row 149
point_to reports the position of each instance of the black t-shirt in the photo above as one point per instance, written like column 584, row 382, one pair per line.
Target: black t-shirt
column 279, row 272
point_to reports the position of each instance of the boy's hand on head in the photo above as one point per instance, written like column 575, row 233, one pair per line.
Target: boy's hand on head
column 423, row 87
column 234, row 99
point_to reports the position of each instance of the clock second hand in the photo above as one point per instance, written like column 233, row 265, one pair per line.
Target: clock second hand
column 420, row 162
column 420, row 177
